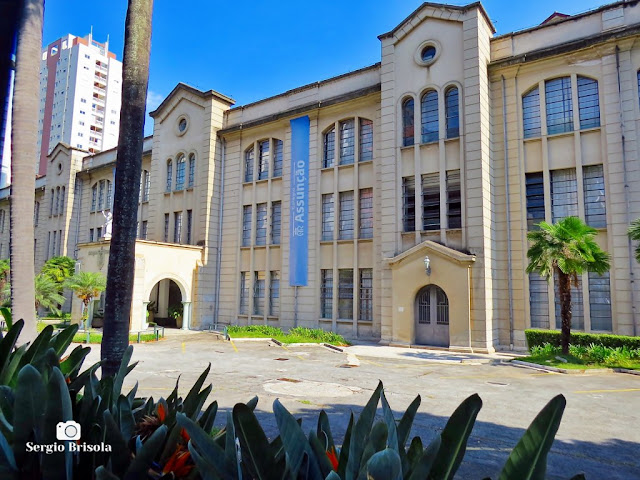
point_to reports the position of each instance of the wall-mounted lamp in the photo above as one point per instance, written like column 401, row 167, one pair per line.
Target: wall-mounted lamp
column 427, row 265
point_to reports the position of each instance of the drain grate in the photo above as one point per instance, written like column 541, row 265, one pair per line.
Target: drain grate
column 291, row 380
column 348, row 365
column 282, row 359
column 499, row 384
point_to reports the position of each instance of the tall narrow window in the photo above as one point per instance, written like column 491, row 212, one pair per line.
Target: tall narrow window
column 56, row 210
column 180, row 169
column 531, row 114
column 101, row 192
column 452, row 113
column 365, row 299
column 165, row 236
column 564, row 194
column 535, row 199
column 248, row 165
column 329, row 148
column 454, row 201
column 347, row 142
column 2, row 215
column 146, row 188
column 276, row 222
column 538, row 301
column 345, row 293
column 431, row 201
column 246, row 225
column 177, row 227
column 192, row 170
column 600, row 301
column 36, row 215
column 407, row 122
column 53, row 196
column 408, row 204
column 559, row 106
column 244, row 293
column 55, row 243
column 91, row 235
column 346, row 216
column 595, row 208
column 169, row 175
column 189, row 226
column 63, row 196
column 274, row 294
column 277, row 158
column 144, row 231
column 577, row 310
column 261, row 224
column 99, row 233
column 366, row 140
column 109, row 195
column 264, row 157
column 258, row 293
column 588, row 102
column 327, row 216
column 326, row 293
column 429, row 110
column 94, row 197
column 366, row 213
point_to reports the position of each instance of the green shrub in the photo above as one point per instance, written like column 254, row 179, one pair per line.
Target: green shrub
column 540, row 337
column 318, row 334
column 546, row 349
column 266, row 330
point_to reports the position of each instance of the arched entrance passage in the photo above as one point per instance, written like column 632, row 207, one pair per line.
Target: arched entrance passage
column 432, row 316
column 166, row 304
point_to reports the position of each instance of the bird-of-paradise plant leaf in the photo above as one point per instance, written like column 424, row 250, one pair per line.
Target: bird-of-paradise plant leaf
column 384, row 465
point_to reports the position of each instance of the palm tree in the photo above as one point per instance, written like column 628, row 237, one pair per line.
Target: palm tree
column 24, row 133
column 47, row 294
column 87, row 286
column 566, row 249
column 135, row 78
column 59, row 268
column 634, row 234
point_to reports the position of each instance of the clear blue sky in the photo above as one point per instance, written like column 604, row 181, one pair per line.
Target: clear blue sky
column 254, row 49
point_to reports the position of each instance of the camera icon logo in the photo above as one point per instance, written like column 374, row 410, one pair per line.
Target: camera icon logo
column 68, row 430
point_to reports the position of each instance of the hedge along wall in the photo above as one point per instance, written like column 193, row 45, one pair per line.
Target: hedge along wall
column 536, row 337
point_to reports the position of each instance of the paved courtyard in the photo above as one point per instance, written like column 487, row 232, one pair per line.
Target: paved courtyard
column 599, row 434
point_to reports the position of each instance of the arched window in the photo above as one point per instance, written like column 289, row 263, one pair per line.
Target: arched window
column 588, row 102
column 407, row 122
column 559, row 105
column 452, row 113
column 531, row 114
column 180, row 168
column 56, row 210
column 329, row 150
column 109, row 200
column 101, row 191
column 347, row 141
column 264, row 158
column 429, row 110
column 169, row 174
column 192, row 169
column 248, row 165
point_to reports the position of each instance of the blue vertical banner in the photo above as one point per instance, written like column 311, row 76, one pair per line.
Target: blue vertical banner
column 299, row 206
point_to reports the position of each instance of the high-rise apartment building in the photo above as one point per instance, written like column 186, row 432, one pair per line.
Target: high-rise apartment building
column 80, row 96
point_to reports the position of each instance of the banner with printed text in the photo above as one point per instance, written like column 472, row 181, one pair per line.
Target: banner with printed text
column 299, row 206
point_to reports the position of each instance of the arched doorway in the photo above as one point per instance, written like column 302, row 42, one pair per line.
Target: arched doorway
column 431, row 312
column 166, row 304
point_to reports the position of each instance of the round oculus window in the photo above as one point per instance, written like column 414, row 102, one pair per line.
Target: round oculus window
column 428, row 53
column 182, row 125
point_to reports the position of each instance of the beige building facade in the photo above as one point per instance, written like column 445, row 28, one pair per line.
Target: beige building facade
column 416, row 181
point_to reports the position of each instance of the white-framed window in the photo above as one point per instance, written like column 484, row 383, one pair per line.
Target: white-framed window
column 329, row 145
column 146, row 185
column 347, row 142
column 248, row 164
column 177, row 227
column 180, row 171
column 264, row 157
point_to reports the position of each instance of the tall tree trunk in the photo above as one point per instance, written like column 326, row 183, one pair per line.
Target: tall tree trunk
column 564, row 289
column 135, row 78
column 8, row 26
column 24, row 141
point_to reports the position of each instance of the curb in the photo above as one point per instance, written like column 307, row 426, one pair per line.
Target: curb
column 537, row 366
column 626, row 370
column 281, row 344
column 332, row 347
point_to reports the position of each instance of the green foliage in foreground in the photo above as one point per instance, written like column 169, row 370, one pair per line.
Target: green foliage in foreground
column 580, row 357
column 295, row 335
column 538, row 337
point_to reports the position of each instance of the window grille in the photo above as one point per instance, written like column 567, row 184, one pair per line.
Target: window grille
column 431, row 201
column 366, row 140
column 264, row 157
column 531, row 114
column 535, row 199
column 454, row 200
column 177, row 227
column 329, row 148
column 452, row 112
column 101, row 191
column 261, row 224
column 244, row 293
column 365, row 304
column 189, row 226
column 595, row 208
column 277, row 158
column 327, row 216
column 588, row 102
column 345, row 293
column 180, row 167
column 169, row 175
column 407, row 123
column 559, row 105
column 248, row 165
column 166, row 227
column 564, row 194
column 346, row 216
column 274, row 294
column 276, row 222
column 258, row 293
column 429, row 110
column 347, row 142
column 109, row 195
column 146, row 186
column 408, row 204
column 94, row 197
column 600, row 301
column 192, row 170
column 366, row 213
column 246, row 225
column 538, row 301
column 577, row 310
column 326, row 293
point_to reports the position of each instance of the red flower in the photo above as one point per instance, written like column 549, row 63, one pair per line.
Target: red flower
column 177, row 463
column 161, row 413
column 331, row 455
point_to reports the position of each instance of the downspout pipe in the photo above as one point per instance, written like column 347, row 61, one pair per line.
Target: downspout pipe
column 626, row 195
column 506, row 187
column 219, row 246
